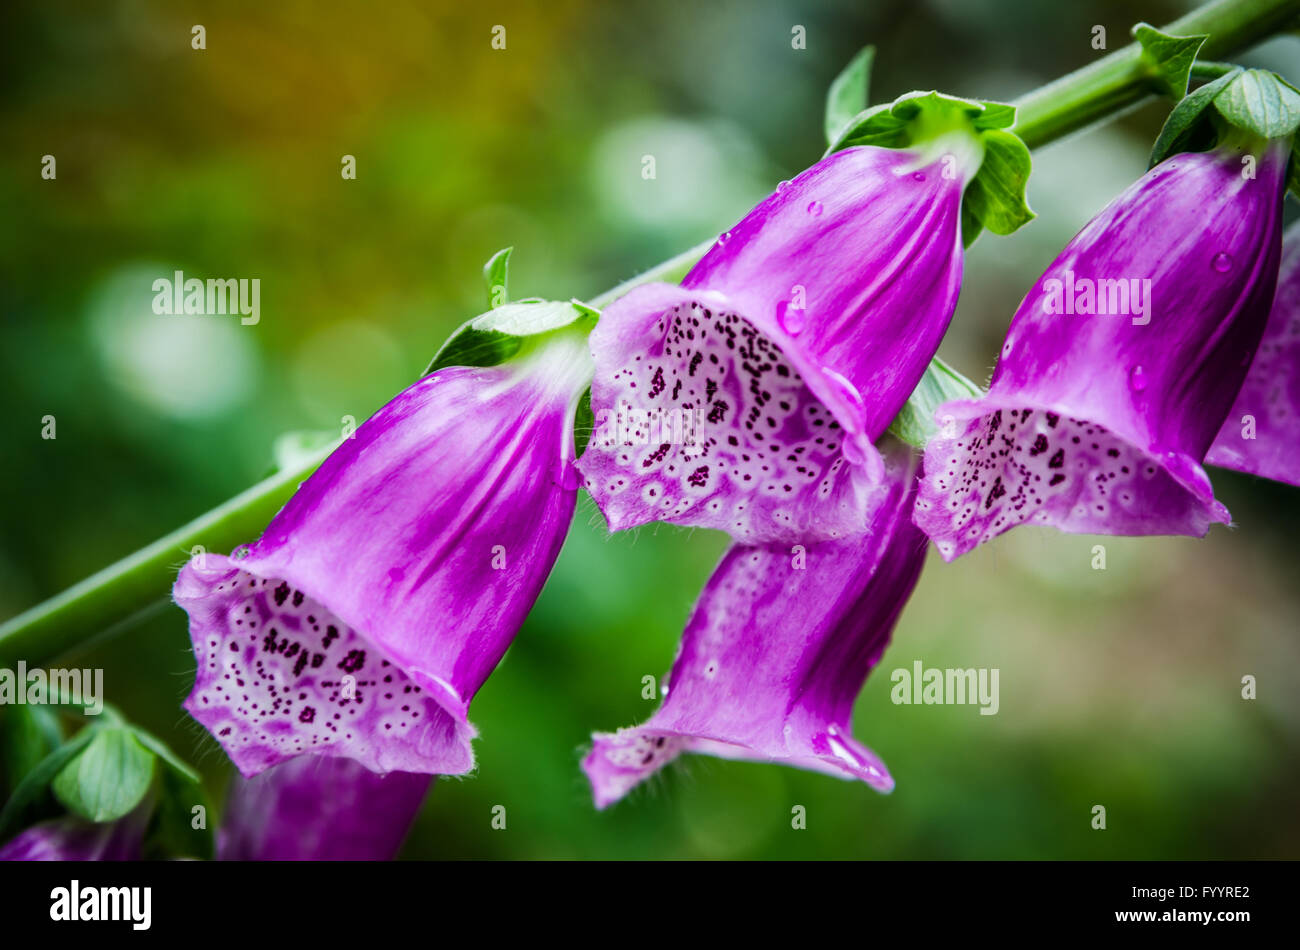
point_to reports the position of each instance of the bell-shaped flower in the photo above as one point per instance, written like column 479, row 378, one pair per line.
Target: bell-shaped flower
column 72, row 838
column 1261, row 435
column 748, row 398
column 1120, row 364
column 320, row 808
column 776, row 651
column 384, row 593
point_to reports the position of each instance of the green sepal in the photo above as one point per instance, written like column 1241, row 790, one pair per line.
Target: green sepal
column 996, row 196
column 915, row 422
column 1168, row 58
column 970, row 226
column 1254, row 101
column 492, row 338
column 895, row 124
column 849, row 93
column 584, row 423
column 164, row 752
column 1261, row 102
column 1188, row 129
column 496, row 273
column 108, row 778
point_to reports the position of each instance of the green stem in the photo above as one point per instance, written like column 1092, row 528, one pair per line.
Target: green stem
column 1122, row 80
column 117, row 596
column 137, row 586
column 1204, row 70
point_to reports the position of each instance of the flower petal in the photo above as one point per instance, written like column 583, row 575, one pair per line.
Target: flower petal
column 406, row 562
column 1261, row 435
column 705, row 422
column 1119, row 367
column 320, row 809
column 786, row 353
column 776, row 652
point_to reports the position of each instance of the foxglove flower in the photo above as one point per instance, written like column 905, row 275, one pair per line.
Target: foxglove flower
column 1120, row 365
column 72, row 838
column 749, row 397
column 380, row 598
column 1261, row 435
column 776, row 651
column 317, row 808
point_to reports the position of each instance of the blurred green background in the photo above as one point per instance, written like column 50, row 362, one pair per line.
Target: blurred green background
column 1118, row 687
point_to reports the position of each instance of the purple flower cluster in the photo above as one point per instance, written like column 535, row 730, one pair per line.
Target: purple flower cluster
column 755, row 397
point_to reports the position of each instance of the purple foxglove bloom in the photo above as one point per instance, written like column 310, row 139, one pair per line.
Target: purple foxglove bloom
column 383, row 594
column 776, row 652
column 318, row 808
column 71, row 838
column 1261, row 435
column 1120, row 365
column 748, row 399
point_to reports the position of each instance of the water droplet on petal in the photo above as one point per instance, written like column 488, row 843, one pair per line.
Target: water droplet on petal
column 791, row 319
column 723, row 238
column 782, row 186
column 1222, row 262
column 852, row 451
column 918, row 176
column 848, row 389
column 814, row 208
column 1137, row 378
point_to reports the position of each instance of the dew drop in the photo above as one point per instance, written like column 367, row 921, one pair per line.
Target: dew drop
column 1137, row 378
column 918, row 176
column 782, row 186
column 815, row 208
column 791, row 319
column 852, row 451
column 1222, row 262
column 848, row 389
column 723, row 238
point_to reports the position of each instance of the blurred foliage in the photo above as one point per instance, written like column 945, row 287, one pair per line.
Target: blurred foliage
column 1119, row 687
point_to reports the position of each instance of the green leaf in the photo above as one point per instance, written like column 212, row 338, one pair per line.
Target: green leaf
column 164, row 752
column 915, row 422
column 108, row 779
column 1168, row 58
column 493, row 337
column 1187, row 128
column 1260, row 102
column 27, row 735
column 171, row 831
column 848, row 94
column 34, row 783
column 495, row 275
column 996, row 197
